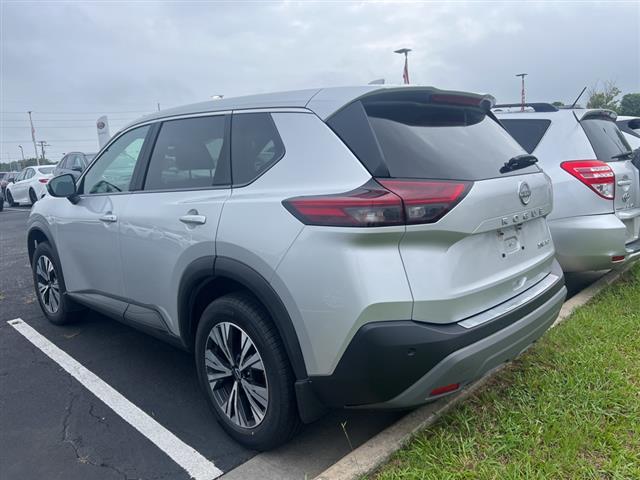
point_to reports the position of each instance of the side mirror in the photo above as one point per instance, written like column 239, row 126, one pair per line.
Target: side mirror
column 63, row 186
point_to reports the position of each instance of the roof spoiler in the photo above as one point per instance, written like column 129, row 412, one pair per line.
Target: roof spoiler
column 537, row 107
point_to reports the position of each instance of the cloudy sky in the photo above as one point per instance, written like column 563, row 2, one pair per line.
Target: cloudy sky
column 70, row 62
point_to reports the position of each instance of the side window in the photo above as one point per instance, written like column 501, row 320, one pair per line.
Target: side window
column 255, row 146
column 114, row 169
column 30, row 173
column 20, row 176
column 189, row 153
column 527, row 133
column 62, row 164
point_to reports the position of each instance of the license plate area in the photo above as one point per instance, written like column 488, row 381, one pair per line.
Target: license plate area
column 510, row 240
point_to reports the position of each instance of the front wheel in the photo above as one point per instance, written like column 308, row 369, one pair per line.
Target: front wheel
column 245, row 373
column 50, row 287
column 10, row 199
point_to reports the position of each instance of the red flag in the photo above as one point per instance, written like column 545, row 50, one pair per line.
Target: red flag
column 405, row 72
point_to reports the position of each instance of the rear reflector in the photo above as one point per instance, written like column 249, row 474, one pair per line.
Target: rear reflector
column 43, row 180
column 595, row 174
column 389, row 202
column 446, row 389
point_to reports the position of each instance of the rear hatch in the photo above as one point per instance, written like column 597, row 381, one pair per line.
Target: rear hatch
column 610, row 146
column 485, row 242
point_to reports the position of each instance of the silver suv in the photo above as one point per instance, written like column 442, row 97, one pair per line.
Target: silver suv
column 345, row 247
column 595, row 221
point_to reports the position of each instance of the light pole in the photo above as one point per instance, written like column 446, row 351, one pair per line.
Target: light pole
column 21, row 151
column 405, row 72
column 33, row 137
column 522, row 97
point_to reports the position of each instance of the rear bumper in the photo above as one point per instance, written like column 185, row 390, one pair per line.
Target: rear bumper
column 589, row 242
column 397, row 364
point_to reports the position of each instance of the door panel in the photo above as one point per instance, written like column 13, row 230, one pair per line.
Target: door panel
column 157, row 247
column 88, row 243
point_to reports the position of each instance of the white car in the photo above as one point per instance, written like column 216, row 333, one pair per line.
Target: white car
column 29, row 186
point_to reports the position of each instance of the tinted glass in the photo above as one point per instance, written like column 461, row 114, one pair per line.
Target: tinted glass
column 29, row 173
column 189, row 153
column 46, row 170
column 606, row 138
column 114, row 169
column 527, row 133
column 255, row 146
column 413, row 138
column 62, row 164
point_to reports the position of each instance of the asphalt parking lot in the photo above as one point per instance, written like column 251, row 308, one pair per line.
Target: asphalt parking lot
column 53, row 427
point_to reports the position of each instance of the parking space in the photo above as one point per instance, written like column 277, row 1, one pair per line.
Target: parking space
column 54, row 426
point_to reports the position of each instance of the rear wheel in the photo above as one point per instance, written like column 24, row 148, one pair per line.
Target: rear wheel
column 245, row 373
column 33, row 198
column 50, row 287
column 10, row 199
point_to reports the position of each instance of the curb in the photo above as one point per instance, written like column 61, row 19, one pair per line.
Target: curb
column 377, row 450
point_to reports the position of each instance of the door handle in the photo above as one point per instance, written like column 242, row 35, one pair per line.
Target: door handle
column 193, row 219
column 108, row 218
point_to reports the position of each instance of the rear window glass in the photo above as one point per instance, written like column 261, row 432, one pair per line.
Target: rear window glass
column 606, row 138
column 46, row 170
column 527, row 133
column 403, row 135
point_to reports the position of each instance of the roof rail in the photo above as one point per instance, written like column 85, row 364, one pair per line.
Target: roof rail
column 538, row 107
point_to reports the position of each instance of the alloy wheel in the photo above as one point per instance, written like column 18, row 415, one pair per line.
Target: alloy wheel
column 236, row 375
column 48, row 285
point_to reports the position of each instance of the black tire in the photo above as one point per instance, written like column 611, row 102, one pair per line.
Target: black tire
column 66, row 311
column 10, row 199
column 33, row 198
column 281, row 420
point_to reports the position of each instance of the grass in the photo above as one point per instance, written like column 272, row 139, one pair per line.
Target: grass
column 569, row 408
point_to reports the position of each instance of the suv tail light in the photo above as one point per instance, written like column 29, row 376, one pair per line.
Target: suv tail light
column 596, row 175
column 389, row 202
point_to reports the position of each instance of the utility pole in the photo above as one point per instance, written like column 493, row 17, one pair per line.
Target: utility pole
column 522, row 96
column 43, row 144
column 405, row 71
column 33, row 137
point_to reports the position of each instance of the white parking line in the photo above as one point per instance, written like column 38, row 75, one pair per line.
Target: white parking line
column 188, row 458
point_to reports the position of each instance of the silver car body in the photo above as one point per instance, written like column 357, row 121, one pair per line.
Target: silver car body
column 589, row 231
column 127, row 254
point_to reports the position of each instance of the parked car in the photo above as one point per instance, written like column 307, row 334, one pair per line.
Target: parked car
column 1, row 201
column 29, row 186
column 6, row 178
column 359, row 247
column 630, row 127
column 596, row 218
column 73, row 163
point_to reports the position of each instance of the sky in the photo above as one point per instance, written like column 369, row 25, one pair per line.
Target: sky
column 70, row 62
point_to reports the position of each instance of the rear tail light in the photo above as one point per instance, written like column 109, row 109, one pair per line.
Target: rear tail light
column 618, row 258
column 595, row 174
column 389, row 202
column 43, row 180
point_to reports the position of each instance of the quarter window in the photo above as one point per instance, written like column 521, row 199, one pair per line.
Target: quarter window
column 255, row 146
column 113, row 171
column 189, row 153
column 527, row 133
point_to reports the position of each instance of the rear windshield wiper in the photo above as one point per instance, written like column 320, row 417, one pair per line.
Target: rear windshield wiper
column 622, row 155
column 518, row 162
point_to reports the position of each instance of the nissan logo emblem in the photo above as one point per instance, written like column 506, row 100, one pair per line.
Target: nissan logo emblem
column 524, row 192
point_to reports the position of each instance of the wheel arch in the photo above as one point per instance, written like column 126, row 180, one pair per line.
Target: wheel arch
column 210, row 277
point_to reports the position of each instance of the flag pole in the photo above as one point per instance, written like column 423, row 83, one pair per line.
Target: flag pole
column 405, row 71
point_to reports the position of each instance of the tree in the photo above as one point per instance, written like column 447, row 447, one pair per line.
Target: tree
column 605, row 98
column 630, row 105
